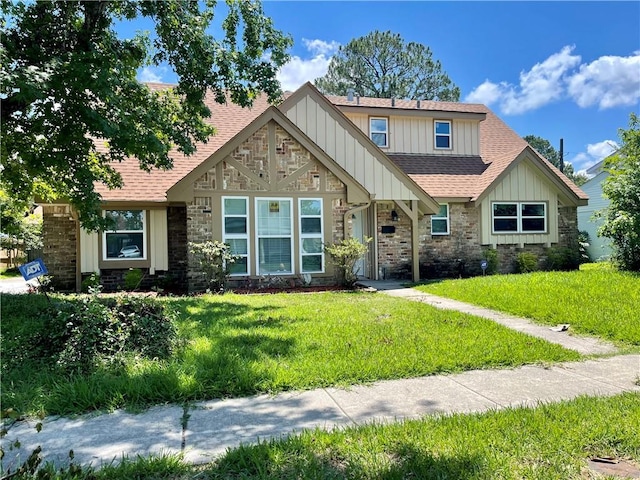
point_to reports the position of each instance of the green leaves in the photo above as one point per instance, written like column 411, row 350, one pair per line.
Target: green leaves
column 68, row 88
column 381, row 64
column 622, row 188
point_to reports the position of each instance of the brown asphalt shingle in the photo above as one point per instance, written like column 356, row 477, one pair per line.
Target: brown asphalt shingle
column 440, row 176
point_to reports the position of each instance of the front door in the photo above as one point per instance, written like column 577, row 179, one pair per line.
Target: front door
column 358, row 220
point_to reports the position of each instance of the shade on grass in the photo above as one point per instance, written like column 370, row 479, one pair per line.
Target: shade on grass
column 237, row 345
column 599, row 302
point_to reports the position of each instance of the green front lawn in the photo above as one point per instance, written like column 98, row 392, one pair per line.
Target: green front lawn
column 552, row 441
column 237, row 345
column 595, row 301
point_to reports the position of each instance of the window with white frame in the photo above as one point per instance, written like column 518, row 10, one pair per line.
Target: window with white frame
column 440, row 221
column 274, row 241
column 519, row 217
column 311, row 248
column 235, row 232
column 128, row 239
column 442, row 130
column 379, row 131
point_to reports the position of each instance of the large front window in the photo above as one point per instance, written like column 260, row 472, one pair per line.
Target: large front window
column 235, row 232
column 127, row 239
column 274, row 240
column 519, row 217
column 311, row 248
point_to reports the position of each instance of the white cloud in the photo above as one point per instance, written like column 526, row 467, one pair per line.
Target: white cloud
column 539, row 86
column 607, row 82
column 300, row 70
column 595, row 152
column 320, row 47
column 151, row 74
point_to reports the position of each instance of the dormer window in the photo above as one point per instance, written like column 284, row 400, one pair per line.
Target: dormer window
column 379, row 131
column 442, row 129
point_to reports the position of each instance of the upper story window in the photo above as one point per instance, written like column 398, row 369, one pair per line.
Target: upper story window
column 519, row 217
column 440, row 222
column 442, row 129
column 379, row 131
column 127, row 241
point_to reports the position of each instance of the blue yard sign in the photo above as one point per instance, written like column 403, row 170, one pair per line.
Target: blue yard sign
column 33, row 269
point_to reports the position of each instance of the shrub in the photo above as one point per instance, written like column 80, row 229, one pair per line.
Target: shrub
column 344, row 256
column 89, row 331
column 133, row 279
column 491, row 255
column 584, row 241
column 214, row 260
column 562, row 259
column 526, row 262
column 91, row 284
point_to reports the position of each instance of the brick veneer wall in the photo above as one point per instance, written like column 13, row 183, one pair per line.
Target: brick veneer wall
column 59, row 251
column 394, row 249
column 177, row 242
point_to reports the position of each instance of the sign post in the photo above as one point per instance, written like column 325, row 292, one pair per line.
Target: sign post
column 483, row 265
column 33, row 270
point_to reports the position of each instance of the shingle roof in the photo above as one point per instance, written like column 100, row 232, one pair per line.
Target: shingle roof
column 439, row 176
column 139, row 185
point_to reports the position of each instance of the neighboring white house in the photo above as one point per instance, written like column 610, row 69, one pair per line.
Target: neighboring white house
column 600, row 247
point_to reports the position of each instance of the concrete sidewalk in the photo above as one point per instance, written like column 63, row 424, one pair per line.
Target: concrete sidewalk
column 583, row 345
column 205, row 430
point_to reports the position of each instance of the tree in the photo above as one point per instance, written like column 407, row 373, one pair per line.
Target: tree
column 382, row 65
column 622, row 188
column 68, row 82
column 545, row 149
column 20, row 229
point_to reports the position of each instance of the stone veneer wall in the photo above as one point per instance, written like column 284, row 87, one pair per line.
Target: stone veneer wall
column 59, row 251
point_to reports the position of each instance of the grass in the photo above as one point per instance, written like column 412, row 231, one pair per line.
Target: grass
column 9, row 272
column 596, row 300
column 238, row 345
column 551, row 441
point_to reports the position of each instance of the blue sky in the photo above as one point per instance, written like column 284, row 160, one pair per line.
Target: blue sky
column 566, row 70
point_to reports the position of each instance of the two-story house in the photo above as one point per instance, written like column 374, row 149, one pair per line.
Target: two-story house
column 434, row 184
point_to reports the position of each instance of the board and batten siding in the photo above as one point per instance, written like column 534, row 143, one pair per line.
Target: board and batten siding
column 89, row 252
column 416, row 135
column 347, row 151
column 521, row 184
column 599, row 247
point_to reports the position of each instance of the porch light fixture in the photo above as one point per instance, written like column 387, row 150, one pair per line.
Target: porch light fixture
column 394, row 216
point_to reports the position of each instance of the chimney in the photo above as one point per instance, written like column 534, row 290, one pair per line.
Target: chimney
column 393, row 102
column 350, row 95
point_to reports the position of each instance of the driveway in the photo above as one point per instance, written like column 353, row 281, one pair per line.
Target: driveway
column 13, row 285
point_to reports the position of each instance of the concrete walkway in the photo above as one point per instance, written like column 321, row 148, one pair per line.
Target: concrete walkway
column 583, row 345
column 204, row 430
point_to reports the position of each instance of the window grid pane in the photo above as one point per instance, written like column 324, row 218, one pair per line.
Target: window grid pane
column 235, row 233
column 519, row 218
column 311, row 238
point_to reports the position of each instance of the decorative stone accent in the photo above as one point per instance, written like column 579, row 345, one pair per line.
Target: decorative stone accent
column 59, row 230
